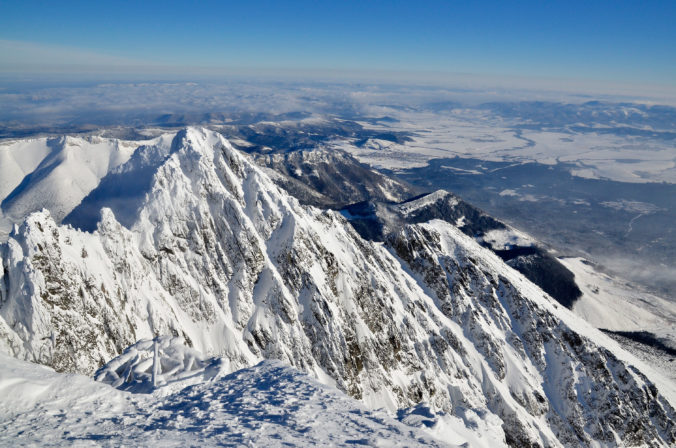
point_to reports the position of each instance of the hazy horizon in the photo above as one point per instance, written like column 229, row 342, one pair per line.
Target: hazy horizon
column 587, row 46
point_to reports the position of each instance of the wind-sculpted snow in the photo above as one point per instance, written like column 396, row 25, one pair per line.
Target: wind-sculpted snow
column 149, row 364
column 219, row 256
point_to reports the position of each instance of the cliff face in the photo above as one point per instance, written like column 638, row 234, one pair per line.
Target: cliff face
column 217, row 254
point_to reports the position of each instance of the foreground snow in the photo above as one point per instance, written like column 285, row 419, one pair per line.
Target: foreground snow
column 265, row 405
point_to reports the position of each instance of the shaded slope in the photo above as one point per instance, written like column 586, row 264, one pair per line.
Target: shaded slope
column 375, row 220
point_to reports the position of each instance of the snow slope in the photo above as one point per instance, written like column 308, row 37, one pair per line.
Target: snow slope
column 610, row 304
column 219, row 256
column 56, row 173
column 19, row 158
column 268, row 404
column 375, row 220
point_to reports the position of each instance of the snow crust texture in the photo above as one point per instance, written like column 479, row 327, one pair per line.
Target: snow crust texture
column 218, row 256
column 268, row 404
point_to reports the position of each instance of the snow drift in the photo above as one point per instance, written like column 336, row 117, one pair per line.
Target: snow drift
column 268, row 404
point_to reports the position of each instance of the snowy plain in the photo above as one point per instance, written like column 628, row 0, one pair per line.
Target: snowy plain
column 467, row 133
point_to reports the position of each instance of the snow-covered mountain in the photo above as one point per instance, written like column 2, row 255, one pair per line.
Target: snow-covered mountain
column 376, row 220
column 56, row 173
column 642, row 322
column 331, row 179
column 214, row 252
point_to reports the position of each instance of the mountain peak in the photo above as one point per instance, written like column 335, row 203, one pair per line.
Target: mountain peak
column 425, row 200
column 199, row 139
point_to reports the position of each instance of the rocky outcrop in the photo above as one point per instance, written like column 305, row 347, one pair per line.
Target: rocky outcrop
column 376, row 220
column 331, row 178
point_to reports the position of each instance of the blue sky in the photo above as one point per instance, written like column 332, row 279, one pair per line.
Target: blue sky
column 617, row 41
